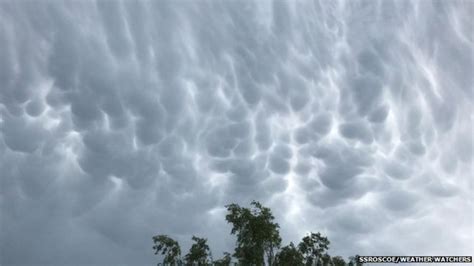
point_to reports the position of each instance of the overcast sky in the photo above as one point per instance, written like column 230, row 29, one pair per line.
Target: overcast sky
column 123, row 120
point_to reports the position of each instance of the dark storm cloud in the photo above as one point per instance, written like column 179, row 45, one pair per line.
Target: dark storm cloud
column 121, row 120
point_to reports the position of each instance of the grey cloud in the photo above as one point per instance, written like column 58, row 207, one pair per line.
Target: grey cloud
column 356, row 130
column 279, row 165
column 440, row 189
column 400, row 200
column 397, row 170
column 337, row 194
column 379, row 115
column 341, row 166
column 321, row 123
column 366, row 92
column 370, row 63
column 21, row 135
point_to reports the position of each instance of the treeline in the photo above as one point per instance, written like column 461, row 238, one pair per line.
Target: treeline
column 258, row 243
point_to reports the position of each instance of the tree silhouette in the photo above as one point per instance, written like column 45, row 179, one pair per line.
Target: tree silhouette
column 354, row 261
column 289, row 256
column 169, row 248
column 198, row 253
column 313, row 247
column 325, row 260
column 225, row 261
column 256, row 233
column 338, row 261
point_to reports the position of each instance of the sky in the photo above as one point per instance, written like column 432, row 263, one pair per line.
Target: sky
column 120, row 120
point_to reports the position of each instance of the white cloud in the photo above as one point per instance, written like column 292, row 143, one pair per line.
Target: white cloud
column 123, row 120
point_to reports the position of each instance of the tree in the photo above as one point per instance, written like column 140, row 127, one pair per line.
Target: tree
column 338, row 261
column 198, row 253
column 313, row 247
column 169, row 248
column 289, row 256
column 225, row 261
column 273, row 242
column 325, row 260
column 354, row 261
column 256, row 233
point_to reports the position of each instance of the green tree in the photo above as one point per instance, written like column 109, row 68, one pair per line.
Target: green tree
column 338, row 261
column 258, row 237
column 225, row 261
column 169, row 248
column 273, row 242
column 198, row 253
column 256, row 233
column 289, row 256
column 313, row 247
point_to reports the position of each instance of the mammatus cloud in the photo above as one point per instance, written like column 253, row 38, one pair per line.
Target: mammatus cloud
column 121, row 120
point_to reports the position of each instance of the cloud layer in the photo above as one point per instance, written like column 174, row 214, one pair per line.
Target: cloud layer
column 121, row 120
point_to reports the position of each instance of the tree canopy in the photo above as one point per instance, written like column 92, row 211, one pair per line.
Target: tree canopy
column 313, row 248
column 258, row 243
column 256, row 233
column 225, row 261
column 168, row 247
column 338, row 261
column 198, row 253
column 289, row 256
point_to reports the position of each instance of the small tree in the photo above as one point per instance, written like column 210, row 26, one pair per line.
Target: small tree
column 225, row 261
column 289, row 256
column 325, row 260
column 256, row 233
column 354, row 261
column 313, row 247
column 198, row 253
column 169, row 248
column 338, row 261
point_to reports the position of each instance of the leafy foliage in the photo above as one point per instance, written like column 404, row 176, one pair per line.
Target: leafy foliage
column 338, row 261
column 353, row 261
column 325, row 260
column 256, row 233
column 258, row 237
column 198, row 253
column 225, row 261
column 169, row 248
column 313, row 247
column 255, row 230
column 289, row 256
